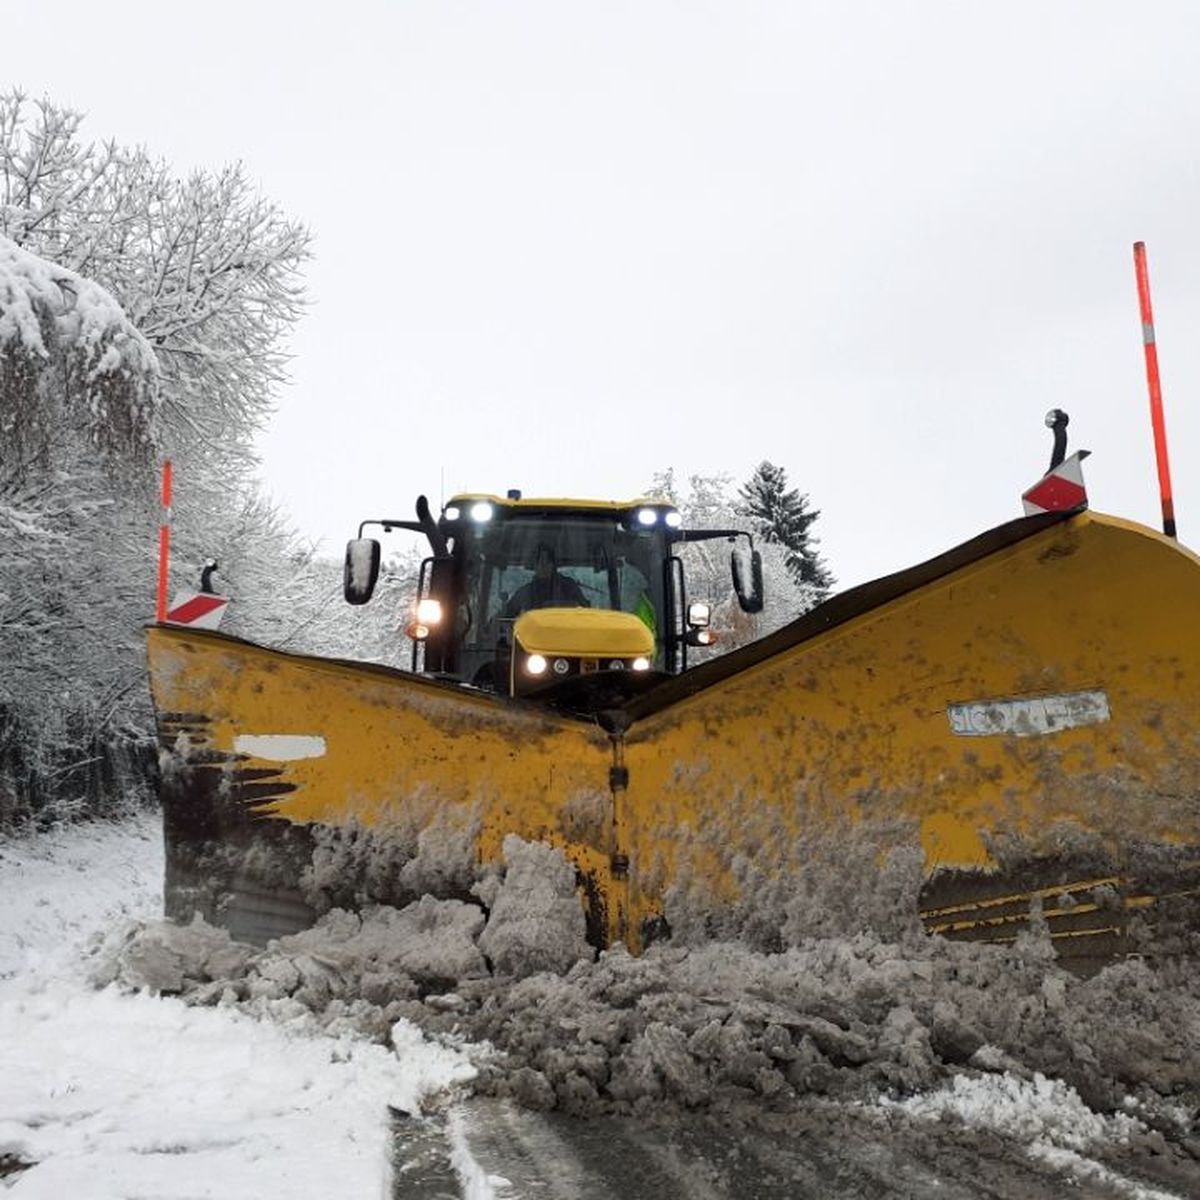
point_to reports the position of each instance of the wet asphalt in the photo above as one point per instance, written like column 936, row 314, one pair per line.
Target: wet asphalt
column 825, row 1152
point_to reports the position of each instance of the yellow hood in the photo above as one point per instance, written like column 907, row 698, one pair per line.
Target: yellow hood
column 583, row 632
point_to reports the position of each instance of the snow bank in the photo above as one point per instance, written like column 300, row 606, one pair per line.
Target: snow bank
column 1038, row 1110
column 717, row 1025
column 1045, row 1115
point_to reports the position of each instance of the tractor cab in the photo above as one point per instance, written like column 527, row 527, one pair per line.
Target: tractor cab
column 520, row 596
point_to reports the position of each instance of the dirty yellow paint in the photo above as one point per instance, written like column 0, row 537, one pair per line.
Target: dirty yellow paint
column 399, row 749
column 852, row 726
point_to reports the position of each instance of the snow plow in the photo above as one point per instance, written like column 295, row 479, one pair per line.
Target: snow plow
column 1003, row 738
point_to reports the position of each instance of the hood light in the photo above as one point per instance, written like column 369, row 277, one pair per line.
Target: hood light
column 561, row 666
column 646, row 516
column 640, row 664
column 616, row 664
column 452, row 512
column 535, row 664
column 673, row 519
column 481, row 511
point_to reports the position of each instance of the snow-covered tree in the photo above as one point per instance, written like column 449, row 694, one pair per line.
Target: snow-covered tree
column 781, row 516
column 205, row 269
column 141, row 316
column 711, row 502
column 283, row 593
column 663, row 486
column 78, row 420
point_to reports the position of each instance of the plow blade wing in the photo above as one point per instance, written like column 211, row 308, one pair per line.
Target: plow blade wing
column 1011, row 730
column 290, row 784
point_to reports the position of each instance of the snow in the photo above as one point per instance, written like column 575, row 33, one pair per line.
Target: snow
column 109, row 1093
column 144, row 1058
column 82, row 313
column 1038, row 1110
column 1055, row 1125
column 477, row 1184
column 535, row 922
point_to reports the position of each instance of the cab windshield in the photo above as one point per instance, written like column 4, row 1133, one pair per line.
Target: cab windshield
column 520, row 562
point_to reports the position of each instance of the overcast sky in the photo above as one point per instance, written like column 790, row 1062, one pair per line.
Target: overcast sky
column 560, row 246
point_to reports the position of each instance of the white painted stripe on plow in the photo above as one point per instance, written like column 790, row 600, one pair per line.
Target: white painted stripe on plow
column 1029, row 716
column 281, row 747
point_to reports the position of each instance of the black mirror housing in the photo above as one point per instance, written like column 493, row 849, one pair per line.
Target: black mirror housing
column 361, row 571
column 750, row 599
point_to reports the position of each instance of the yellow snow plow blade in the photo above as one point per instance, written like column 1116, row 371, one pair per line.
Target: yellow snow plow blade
column 1008, row 732
column 1028, row 721
column 284, row 775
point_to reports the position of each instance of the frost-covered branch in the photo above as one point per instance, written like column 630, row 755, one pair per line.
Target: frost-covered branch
column 206, row 269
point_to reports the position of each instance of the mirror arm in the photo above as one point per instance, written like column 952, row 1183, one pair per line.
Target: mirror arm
column 388, row 525
column 705, row 535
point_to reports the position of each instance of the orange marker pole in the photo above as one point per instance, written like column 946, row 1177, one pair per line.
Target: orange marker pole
column 1156, row 404
column 164, row 543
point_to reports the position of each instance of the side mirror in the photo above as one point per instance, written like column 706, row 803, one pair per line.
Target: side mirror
column 362, row 569
column 750, row 600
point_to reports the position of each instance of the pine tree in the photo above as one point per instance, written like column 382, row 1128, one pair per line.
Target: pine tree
column 783, row 516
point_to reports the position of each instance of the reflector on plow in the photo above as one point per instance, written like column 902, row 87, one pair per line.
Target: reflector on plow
column 1005, row 734
column 1061, row 489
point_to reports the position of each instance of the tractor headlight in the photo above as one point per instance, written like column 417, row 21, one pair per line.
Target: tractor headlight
column 561, row 666
column 646, row 516
column 535, row 664
column 481, row 511
column 429, row 612
column 640, row 664
column 617, row 664
column 452, row 513
column 673, row 519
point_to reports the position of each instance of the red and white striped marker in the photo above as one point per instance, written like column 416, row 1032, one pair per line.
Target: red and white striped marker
column 1157, row 420
column 197, row 610
column 164, row 545
column 1059, row 490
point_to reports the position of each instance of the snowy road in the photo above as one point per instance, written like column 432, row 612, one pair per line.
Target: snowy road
column 830, row 1152
column 110, row 1093
column 106, row 1095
